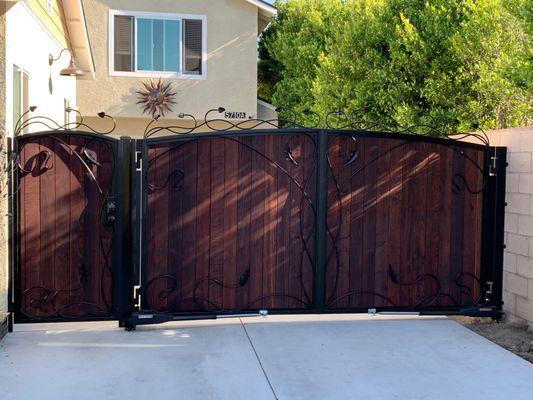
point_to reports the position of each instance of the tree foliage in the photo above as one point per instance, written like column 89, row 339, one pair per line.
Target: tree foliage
column 405, row 61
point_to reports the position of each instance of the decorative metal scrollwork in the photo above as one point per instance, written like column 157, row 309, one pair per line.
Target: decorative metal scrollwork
column 51, row 125
column 39, row 302
column 203, row 301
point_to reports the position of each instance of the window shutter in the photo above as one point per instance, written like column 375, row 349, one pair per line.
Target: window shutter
column 192, row 46
column 123, row 43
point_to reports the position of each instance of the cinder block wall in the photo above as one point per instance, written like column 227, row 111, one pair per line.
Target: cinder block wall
column 518, row 261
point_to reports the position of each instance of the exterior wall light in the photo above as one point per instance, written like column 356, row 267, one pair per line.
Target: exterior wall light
column 71, row 70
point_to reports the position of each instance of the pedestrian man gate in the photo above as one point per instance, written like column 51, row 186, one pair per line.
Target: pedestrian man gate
column 280, row 220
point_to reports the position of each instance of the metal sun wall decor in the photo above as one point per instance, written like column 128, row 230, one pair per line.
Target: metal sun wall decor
column 156, row 98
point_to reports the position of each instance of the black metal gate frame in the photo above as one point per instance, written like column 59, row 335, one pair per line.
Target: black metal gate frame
column 492, row 227
column 129, row 252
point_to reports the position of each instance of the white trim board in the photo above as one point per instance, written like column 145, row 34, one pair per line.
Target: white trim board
column 264, row 6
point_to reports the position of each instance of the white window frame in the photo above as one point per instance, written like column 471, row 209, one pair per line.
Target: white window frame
column 155, row 74
column 24, row 89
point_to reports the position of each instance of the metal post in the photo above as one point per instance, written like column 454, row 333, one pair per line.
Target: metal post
column 12, row 207
column 122, row 231
column 499, row 221
column 139, row 193
column 493, row 226
column 321, row 221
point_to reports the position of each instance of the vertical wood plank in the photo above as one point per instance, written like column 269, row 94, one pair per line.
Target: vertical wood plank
column 203, row 218
column 308, row 216
column 257, row 238
column 184, row 202
column 457, row 226
column 346, row 148
column 297, row 214
column 77, row 227
column 231, row 168
column 369, row 224
column 269, row 242
column 358, row 190
column 48, row 216
column 433, row 207
column 446, row 175
column 244, row 220
column 395, row 236
column 216, row 258
column 31, row 229
column 382, row 221
column 62, row 222
column 419, row 223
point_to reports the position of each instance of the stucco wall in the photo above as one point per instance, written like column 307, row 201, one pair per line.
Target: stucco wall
column 518, row 261
column 3, row 219
column 29, row 42
column 231, row 60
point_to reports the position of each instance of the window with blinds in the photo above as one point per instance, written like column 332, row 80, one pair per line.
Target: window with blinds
column 192, row 52
column 123, row 43
column 164, row 45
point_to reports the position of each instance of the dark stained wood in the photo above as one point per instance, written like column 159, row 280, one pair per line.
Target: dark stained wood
column 231, row 185
column 63, row 248
column 244, row 221
column 203, row 217
column 396, row 240
column 308, row 218
column 356, row 223
column 402, row 211
column 258, row 193
column 77, row 229
column 383, row 189
column 30, row 231
column 238, row 221
column 369, row 222
column 230, row 229
column 216, row 250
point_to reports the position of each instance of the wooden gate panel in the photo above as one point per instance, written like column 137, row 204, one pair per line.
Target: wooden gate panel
column 64, row 251
column 226, row 220
column 404, row 218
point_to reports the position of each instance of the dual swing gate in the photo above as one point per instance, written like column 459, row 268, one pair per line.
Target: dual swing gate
column 280, row 221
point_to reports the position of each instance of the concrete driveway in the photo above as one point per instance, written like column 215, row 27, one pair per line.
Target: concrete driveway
column 284, row 357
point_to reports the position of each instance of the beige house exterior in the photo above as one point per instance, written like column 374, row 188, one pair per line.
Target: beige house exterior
column 228, row 73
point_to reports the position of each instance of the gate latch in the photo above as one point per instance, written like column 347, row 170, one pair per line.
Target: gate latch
column 110, row 211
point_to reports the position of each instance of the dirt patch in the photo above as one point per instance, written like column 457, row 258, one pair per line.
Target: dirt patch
column 515, row 338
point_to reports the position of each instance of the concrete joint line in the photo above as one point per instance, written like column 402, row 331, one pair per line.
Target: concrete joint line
column 258, row 359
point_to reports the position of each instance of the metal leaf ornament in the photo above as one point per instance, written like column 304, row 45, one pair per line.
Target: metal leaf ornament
column 156, row 98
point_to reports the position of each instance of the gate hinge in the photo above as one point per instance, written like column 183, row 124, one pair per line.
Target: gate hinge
column 488, row 293
column 493, row 166
column 137, row 297
column 138, row 161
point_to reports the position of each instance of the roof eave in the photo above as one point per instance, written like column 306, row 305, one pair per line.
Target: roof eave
column 267, row 9
column 78, row 36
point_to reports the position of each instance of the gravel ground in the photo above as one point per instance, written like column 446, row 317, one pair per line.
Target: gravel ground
column 515, row 338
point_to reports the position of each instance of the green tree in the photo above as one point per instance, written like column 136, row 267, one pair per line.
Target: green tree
column 268, row 69
column 407, row 61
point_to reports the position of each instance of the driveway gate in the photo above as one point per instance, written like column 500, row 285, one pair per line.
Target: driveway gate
column 240, row 222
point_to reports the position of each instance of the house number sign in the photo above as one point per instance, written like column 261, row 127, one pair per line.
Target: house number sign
column 235, row 115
